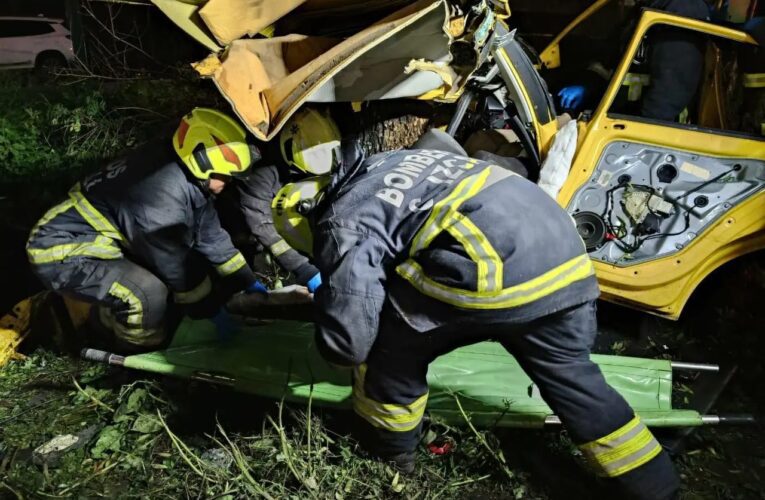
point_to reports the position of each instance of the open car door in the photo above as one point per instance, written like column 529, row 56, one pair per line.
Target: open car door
column 660, row 204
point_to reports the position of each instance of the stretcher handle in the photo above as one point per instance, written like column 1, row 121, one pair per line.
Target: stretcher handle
column 729, row 419
column 699, row 367
column 104, row 357
column 723, row 419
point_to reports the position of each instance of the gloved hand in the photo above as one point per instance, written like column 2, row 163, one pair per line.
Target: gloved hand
column 257, row 287
column 290, row 295
column 572, row 97
column 314, row 283
column 226, row 326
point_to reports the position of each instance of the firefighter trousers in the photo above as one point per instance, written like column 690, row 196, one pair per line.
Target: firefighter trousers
column 132, row 300
column 390, row 393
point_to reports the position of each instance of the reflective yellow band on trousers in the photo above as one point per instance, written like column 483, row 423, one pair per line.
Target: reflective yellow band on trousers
column 196, row 294
column 232, row 265
column 754, row 80
column 391, row 417
column 133, row 335
column 625, row 449
column 279, row 248
column 52, row 214
column 135, row 313
column 93, row 216
column 550, row 282
column 100, row 248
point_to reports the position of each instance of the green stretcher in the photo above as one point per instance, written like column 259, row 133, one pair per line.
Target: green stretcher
column 277, row 359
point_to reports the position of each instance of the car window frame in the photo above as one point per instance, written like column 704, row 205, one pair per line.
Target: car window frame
column 648, row 20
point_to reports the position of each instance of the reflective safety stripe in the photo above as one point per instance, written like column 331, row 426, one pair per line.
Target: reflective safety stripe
column 196, row 294
column 279, row 248
column 101, row 248
column 391, row 417
column 232, row 265
column 556, row 279
column 488, row 263
column 131, row 334
column 95, row 218
column 754, row 80
column 52, row 214
column 636, row 82
column 445, row 216
column 135, row 313
column 625, row 449
column 446, row 208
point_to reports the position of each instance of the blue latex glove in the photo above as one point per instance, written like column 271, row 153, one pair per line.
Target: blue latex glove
column 226, row 326
column 314, row 283
column 572, row 97
column 257, row 287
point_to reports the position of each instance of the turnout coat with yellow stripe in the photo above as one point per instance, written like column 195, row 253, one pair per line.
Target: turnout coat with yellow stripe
column 441, row 239
column 144, row 206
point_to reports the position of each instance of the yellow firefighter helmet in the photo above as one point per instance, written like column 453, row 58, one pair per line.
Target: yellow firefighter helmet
column 290, row 208
column 210, row 142
column 310, row 142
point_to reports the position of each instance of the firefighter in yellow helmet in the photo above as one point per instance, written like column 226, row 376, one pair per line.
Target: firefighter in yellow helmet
column 425, row 250
column 135, row 235
column 309, row 144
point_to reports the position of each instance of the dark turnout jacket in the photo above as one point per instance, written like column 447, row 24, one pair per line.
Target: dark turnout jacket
column 256, row 193
column 439, row 238
column 145, row 206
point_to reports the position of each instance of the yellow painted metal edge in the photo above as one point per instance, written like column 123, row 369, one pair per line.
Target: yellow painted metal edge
column 186, row 16
column 282, row 115
column 663, row 286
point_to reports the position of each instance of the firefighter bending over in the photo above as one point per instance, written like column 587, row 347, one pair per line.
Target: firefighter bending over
column 142, row 227
column 309, row 135
column 423, row 251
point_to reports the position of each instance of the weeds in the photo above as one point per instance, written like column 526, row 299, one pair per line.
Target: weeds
column 63, row 131
column 141, row 446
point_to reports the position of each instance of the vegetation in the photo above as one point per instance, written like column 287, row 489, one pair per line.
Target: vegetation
column 140, row 436
column 61, row 130
column 150, row 439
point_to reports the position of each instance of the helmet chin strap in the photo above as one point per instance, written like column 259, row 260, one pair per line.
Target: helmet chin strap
column 204, row 185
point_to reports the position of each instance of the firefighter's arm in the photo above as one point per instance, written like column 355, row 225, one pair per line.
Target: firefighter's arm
column 215, row 245
column 349, row 303
column 255, row 195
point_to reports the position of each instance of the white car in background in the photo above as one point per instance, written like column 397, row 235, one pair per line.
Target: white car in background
column 34, row 42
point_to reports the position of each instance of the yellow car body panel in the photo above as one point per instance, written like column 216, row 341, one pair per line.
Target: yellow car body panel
column 544, row 127
column 663, row 286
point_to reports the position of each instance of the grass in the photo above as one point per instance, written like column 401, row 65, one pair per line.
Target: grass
column 147, row 444
column 61, row 129
column 154, row 438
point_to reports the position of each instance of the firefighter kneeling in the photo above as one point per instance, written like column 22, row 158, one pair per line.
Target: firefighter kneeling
column 424, row 251
column 143, row 226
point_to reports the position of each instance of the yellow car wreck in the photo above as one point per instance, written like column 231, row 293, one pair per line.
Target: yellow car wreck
column 660, row 205
column 699, row 183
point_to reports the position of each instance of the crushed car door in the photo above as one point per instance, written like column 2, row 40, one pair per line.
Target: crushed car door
column 526, row 90
column 662, row 204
